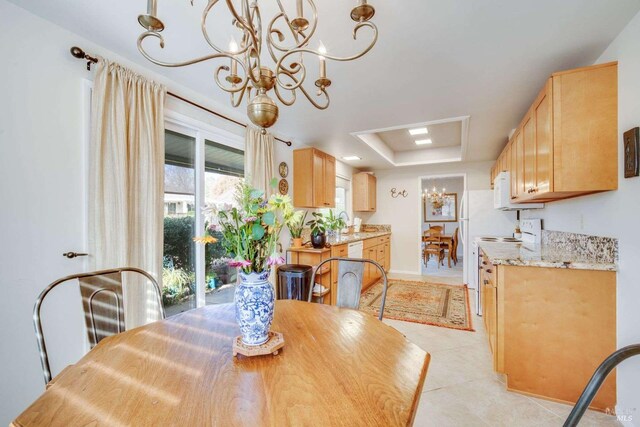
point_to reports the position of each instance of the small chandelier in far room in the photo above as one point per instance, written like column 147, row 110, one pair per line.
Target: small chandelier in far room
column 434, row 196
column 286, row 38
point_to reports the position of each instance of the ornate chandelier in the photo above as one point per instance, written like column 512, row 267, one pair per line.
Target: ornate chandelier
column 286, row 40
column 434, row 196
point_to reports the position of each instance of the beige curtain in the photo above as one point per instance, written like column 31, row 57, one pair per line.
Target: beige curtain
column 259, row 168
column 127, row 181
column 259, row 160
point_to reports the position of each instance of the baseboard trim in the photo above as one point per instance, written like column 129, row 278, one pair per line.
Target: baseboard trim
column 404, row 272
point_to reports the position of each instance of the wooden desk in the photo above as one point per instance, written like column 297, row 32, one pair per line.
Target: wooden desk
column 338, row 367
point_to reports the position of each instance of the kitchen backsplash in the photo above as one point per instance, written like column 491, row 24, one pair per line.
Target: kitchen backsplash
column 604, row 249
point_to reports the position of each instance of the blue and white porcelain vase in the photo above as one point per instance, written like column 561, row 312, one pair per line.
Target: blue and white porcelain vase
column 254, row 301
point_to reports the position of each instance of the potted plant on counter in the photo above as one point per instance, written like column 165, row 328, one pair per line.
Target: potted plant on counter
column 318, row 228
column 250, row 231
column 334, row 223
column 295, row 224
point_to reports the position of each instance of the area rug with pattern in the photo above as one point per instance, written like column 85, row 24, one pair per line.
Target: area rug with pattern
column 421, row 302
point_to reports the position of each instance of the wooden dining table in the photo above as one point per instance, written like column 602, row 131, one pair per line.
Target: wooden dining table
column 338, row 367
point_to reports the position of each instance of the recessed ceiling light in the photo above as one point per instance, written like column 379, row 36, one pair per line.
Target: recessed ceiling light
column 419, row 131
column 424, row 141
column 351, row 158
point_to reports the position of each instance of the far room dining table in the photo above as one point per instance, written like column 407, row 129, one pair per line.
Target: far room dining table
column 338, row 367
column 447, row 239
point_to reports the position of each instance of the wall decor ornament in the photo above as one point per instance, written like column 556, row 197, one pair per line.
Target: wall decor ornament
column 395, row 193
column 631, row 153
column 283, row 187
column 283, row 169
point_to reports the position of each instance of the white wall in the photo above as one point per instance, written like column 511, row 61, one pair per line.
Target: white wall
column 405, row 214
column 453, row 185
column 42, row 184
column 615, row 214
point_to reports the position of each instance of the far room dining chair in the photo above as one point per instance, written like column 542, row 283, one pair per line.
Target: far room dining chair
column 102, row 303
column 454, row 247
column 433, row 246
column 350, row 277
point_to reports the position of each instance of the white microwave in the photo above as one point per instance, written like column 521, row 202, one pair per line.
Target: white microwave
column 502, row 195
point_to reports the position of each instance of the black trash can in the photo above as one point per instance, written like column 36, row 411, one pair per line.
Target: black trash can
column 294, row 281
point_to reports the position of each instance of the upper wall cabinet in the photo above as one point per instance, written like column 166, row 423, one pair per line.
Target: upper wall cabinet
column 567, row 143
column 314, row 179
column 364, row 192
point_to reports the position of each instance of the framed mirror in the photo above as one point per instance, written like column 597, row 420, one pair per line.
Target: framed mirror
column 444, row 209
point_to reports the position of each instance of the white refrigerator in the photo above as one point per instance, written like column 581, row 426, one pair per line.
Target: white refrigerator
column 479, row 218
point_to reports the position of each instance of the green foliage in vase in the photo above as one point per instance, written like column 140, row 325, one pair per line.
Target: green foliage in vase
column 250, row 229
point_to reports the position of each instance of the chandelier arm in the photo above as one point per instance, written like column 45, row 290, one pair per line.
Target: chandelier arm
column 314, row 103
column 256, row 14
column 280, row 68
column 248, row 26
column 293, row 92
column 286, row 18
column 178, row 64
column 299, row 43
column 240, row 95
column 205, row 33
column 234, row 88
column 253, row 45
column 281, row 98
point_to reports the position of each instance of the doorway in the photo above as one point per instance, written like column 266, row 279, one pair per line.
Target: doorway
column 442, row 225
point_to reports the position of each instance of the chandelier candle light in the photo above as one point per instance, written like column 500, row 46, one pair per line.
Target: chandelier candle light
column 284, row 38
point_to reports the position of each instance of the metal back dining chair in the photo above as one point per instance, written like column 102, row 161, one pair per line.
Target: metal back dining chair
column 350, row 277
column 102, row 303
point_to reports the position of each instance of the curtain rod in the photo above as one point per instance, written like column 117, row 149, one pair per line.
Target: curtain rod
column 81, row 54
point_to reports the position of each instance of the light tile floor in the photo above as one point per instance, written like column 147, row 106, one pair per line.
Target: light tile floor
column 461, row 388
column 432, row 268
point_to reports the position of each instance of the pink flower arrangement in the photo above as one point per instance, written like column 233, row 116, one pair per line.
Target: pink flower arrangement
column 275, row 259
column 239, row 262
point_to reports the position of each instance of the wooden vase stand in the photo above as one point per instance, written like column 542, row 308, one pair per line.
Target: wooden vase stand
column 272, row 346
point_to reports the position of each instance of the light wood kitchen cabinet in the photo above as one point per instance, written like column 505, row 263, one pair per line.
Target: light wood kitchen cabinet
column 543, row 120
column 329, row 178
column 549, row 328
column 387, row 256
column 513, row 158
column 519, row 167
column 529, row 147
column 314, row 179
column 569, row 137
column 364, row 192
column 377, row 249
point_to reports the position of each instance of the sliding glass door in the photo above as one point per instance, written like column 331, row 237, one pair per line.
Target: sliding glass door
column 202, row 168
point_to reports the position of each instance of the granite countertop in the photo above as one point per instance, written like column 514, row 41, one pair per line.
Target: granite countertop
column 355, row 237
column 344, row 239
column 530, row 255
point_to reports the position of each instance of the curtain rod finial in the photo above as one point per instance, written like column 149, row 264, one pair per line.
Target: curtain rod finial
column 77, row 52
